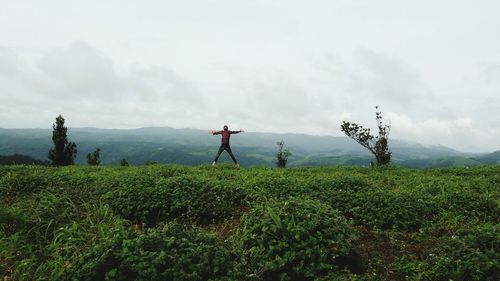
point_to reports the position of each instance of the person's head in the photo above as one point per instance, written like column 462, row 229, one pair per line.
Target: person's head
column 225, row 128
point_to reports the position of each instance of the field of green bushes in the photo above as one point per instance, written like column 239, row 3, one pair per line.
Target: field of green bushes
column 169, row 222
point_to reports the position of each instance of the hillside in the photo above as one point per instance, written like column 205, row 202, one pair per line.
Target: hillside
column 491, row 158
column 169, row 222
column 20, row 159
column 193, row 147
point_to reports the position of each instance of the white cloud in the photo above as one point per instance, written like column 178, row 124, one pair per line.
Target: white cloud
column 286, row 66
column 461, row 133
column 81, row 82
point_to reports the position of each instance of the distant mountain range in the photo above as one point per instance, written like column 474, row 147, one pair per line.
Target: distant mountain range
column 193, row 147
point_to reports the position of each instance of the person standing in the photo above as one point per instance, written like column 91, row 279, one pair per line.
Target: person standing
column 226, row 134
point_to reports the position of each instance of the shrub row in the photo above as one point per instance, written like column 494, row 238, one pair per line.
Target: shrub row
column 297, row 224
column 192, row 198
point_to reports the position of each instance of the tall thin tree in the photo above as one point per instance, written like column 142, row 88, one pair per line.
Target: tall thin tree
column 64, row 152
column 282, row 155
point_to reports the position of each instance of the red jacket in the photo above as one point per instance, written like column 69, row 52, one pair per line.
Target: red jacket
column 226, row 134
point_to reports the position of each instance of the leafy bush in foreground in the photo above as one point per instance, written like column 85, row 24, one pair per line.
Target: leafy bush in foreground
column 471, row 205
column 48, row 251
column 192, row 198
column 172, row 252
column 468, row 255
column 296, row 239
column 25, row 180
column 200, row 199
column 465, row 252
column 11, row 221
column 67, row 223
column 139, row 204
column 386, row 209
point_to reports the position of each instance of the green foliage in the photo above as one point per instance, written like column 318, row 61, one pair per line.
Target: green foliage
column 275, row 185
column 219, row 223
column 64, row 152
column 11, row 221
column 377, row 145
column 468, row 252
column 45, row 212
column 171, row 252
column 24, row 180
column 296, row 239
column 471, row 205
column 467, row 255
column 201, row 199
column 191, row 198
column 123, row 162
column 20, row 159
column 53, row 235
column 165, row 145
column 385, row 209
column 282, row 155
column 93, row 158
column 137, row 203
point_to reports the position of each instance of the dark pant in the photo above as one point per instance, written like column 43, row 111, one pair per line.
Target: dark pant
column 228, row 149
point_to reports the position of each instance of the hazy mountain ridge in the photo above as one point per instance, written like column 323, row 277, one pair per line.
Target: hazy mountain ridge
column 194, row 146
column 490, row 158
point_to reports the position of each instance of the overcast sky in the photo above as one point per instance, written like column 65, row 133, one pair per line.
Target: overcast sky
column 433, row 66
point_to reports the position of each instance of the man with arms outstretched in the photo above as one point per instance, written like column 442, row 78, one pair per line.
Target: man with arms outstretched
column 226, row 134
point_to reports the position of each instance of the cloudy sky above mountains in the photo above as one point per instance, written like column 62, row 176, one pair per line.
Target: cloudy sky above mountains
column 269, row 66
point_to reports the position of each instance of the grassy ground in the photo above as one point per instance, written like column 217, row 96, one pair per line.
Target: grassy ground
column 169, row 222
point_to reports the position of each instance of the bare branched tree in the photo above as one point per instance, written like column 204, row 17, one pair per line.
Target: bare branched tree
column 377, row 145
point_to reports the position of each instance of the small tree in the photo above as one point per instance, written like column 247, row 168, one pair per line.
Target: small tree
column 282, row 155
column 123, row 162
column 93, row 159
column 64, row 152
column 378, row 145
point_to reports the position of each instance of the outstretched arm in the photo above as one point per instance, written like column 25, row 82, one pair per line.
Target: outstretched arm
column 214, row 132
column 235, row 132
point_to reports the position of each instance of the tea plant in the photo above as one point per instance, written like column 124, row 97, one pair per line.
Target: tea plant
column 173, row 222
column 296, row 239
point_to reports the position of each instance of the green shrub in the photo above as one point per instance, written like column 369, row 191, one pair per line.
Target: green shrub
column 468, row 255
column 48, row 250
column 473, row 206
column 200, row 199
column 23, row 180
column 339, row 192
column 389, row 209
column 66, row 223
column 73, row 241
column 296, row 239
column 5, row 169
column 139, row 204
column 341, row 183
column 173, row 252
column 44, row 212
column 284, row 185
column 168, row 171
column 276, row 186
column 17, row 257
column 69, row 178
column 130, row 177
column 11, row 221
